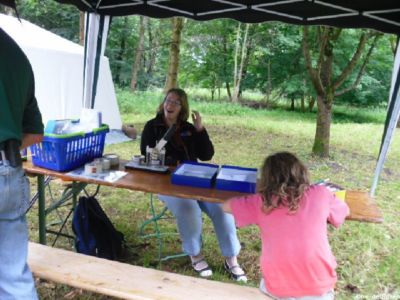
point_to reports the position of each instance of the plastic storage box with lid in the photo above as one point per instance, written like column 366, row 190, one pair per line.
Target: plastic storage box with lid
column 195, row 174
column 70, row 151
column 232, row 178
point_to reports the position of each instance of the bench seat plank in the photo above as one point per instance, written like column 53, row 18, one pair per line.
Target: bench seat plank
column 128, row 281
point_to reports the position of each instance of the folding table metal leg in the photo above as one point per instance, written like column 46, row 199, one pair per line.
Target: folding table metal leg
column 158, row 234
column 69, row 192
column 42, row 208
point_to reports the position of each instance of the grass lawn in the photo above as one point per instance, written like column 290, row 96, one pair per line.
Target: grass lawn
column 367, row 254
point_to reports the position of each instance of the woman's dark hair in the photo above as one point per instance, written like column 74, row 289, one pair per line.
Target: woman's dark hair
column 284, row 179
column 184, row 113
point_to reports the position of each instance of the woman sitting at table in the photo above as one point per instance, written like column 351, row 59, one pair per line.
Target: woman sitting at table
column 190, row 143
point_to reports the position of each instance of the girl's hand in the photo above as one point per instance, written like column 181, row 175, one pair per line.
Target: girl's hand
column 197, row 120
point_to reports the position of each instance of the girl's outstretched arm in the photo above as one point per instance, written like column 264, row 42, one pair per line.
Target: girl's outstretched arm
column 338, row 211
column 226, row 207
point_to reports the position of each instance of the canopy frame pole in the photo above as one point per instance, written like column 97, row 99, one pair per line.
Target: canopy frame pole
column 96, row 32
column 391, row 120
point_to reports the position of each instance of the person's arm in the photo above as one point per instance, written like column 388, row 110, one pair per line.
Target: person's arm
column 30, row 139
column 244, row 209
column 204, row 147
column 147, row 138
column 32, row 124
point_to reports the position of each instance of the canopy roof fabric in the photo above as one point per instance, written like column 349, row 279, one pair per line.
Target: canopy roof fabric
column 382, row 15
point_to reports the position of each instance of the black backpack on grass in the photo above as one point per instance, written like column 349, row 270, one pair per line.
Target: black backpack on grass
column 94, row 233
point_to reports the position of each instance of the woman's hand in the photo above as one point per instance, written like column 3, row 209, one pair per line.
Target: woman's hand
column 197, row 120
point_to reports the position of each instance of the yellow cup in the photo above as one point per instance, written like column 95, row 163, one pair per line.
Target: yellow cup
column 341, row 194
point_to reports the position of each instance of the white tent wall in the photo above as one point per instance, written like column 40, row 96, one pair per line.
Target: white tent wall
column 58, row 68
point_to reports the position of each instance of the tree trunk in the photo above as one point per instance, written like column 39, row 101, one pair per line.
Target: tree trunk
column 172, row 75
column 153, row 44
column 120, row 54
column 237, row 78
column 303, row 106
column 228, row 90
column 235, row 61
column 138, row 54
column 322, row 79
column 323, row 130
column 269, row 80
column 292, row 103
column 311, row 104
column 226, row 73
column 81, row 28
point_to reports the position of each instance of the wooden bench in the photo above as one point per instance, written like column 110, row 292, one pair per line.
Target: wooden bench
column 127, row 281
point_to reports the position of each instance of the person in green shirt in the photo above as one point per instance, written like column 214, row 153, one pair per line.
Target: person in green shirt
column 20, row 126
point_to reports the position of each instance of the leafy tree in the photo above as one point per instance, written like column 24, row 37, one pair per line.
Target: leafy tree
column 173, row 65
column 121, row 42
column 375, row 83
column 49, row 15
column 327, row 76
column 207, row 58
column 138, row 52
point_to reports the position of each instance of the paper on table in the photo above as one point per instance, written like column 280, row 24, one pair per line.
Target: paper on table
column 109, row 176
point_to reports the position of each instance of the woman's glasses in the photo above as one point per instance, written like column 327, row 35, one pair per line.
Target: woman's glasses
column 172, row 102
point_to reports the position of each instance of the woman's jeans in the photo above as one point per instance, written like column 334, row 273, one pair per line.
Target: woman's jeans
column 327, row 296
column 189, row 220
column 16, row 281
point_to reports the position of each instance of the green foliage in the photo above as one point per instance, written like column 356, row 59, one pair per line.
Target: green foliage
column 49, row 15
column 274, row 66
column 138, row 102
column 145, row 102
column 375, row 84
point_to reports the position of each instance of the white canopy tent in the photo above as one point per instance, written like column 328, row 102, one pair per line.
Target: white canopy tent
column 58, row 67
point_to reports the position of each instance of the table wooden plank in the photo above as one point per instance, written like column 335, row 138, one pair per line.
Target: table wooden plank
column 145, row 181
column 362, row 207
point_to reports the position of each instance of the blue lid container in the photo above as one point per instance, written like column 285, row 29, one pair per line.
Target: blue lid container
column 195, row 174
column 232, row 178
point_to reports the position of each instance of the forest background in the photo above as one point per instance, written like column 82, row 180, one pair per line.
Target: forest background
column 322, row 65
column 268, row 56
column 257, row 81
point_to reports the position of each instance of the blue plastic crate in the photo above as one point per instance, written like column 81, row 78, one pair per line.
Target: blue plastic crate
column 195, row 174
column 68, row 152
column 231, row 178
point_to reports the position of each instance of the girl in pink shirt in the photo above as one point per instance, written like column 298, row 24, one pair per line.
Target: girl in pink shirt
column 296, row 259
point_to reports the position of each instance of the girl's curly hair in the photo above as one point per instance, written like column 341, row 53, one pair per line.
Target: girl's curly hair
column 284, row 179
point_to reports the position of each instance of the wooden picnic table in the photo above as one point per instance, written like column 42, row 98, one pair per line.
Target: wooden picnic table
column 362, row 207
